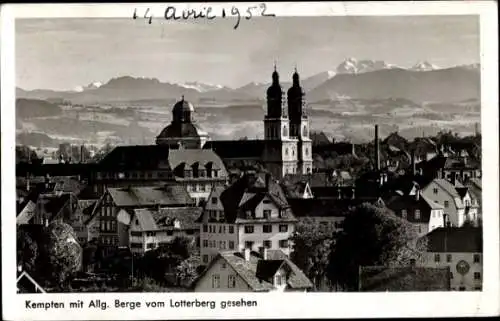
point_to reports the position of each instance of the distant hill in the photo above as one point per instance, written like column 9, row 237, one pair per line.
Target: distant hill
column 362, row 79
column 443, row 85
column 36, row 139
column 30, row 108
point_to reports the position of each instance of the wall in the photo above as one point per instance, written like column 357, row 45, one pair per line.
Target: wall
column 220, row 238
column 258, row 236
column 436, row 220
column 467, row 281
column 205, row 283
column 440, row 198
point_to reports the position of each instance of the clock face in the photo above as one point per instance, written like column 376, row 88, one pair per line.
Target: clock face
column 463, row 267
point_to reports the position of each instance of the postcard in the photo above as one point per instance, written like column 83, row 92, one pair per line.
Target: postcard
column 250, row 160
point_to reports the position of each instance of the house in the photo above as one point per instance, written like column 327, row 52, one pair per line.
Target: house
column 405, row 278
column 424, row 149
column 423, row 213
column 251, row 213
column 459, row 249
column 451, row 168
column 197, row 169
column 110, row 218
column 152, row 227
column 26, row 284
column 459, row 205
column 248, row 271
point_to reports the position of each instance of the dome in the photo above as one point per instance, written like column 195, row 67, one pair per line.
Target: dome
column 181, row 130
column 183, row 105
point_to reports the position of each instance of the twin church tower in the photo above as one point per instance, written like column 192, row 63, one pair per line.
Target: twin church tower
column 288, row 147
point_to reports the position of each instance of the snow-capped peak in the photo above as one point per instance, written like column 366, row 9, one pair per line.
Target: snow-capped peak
column 354, row 66
column 330, row 73
column 423, row 66
column 201, row 87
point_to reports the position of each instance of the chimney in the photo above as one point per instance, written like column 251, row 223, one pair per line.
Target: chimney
column 353, row 149
column 444, row 220
column 377, row 151
column 353, row 196
column 417, row 194
column 413, row 164
column 82, row 157
column 246, row 252
column 268, row 180
column 263, row 252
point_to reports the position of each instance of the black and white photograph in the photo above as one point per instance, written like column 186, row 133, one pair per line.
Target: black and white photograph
column 234, row 149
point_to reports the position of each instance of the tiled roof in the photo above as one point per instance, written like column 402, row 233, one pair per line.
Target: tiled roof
column 136, row 157
column 476, row 182
column 164, row 218
column 248, row 270
column 455, row 240
column 252, row 149
column 381, row 278
column 177, row 157
column 137, row 196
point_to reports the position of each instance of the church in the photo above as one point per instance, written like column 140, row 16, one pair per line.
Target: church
column 287, row 146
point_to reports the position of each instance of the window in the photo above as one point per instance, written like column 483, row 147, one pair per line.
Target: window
column 477, row 275
column 216, row 281
column 435, row 190
column 417, row 214
column 277, row 280
column 222, row 229
column 214, row 200
column 477, row 258
column 205, row 243
column 231, row 245
column 448, row 258
column 437, row 258
column 150, row 233
column 136, row 245
column 231, row 229
column 151, row 246
column 133, row 233
column 306, row 151
column 222, row 245
column 478, row 288
column 223, row 266
column 462, row 288
column 446, row 204
column 267, row 244
column 231, row 281
column 451, row 275
column 249, row 245
column 113, row 225
column 286, row 151
column 205, row 258
column 403, row 214
column 267, row 228
column 205, row 228
column 283, row 228
column 202, row 187
column 267, row 213
column 284, row 244
column 249, row 229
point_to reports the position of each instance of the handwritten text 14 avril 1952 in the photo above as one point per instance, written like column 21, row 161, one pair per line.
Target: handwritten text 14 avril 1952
column 172, row 13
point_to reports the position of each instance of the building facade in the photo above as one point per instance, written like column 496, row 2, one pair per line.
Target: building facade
column 460, row 249
column 246, row 216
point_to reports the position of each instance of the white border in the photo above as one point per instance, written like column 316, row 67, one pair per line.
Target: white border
column 311, row 305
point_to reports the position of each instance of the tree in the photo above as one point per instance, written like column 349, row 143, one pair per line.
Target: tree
column 25, row 154
column 372, row 236
column 27, row 251
column 187, row 271
column 312, row 246
column 64, row 253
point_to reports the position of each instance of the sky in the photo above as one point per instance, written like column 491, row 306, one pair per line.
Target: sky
column 64, row 53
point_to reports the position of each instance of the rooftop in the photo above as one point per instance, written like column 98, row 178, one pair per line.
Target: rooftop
column 455, row 240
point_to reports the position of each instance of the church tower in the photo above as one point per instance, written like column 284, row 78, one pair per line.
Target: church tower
column 280, row 152
column 299, row 125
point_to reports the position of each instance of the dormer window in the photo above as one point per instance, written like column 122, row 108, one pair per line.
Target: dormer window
column 278, row 280
column 417, row 214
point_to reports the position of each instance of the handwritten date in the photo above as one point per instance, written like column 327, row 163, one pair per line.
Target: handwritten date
column 172, row 13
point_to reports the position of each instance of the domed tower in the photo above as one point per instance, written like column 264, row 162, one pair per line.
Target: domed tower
column 182, row 131
column 280, row 153
column 299, row 124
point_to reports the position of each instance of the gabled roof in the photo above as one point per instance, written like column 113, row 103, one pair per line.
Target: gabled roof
column 247, row 270
column 455, row 240
column 410, row 202
column 137, row 196
column 448, row 187
column 227, row 149
column 151, row 219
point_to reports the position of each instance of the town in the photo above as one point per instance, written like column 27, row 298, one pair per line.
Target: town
column 293, row 212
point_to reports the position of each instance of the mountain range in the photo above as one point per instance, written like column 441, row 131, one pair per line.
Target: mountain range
column 356, row 79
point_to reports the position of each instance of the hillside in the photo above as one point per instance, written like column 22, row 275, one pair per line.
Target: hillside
column 31, row 108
